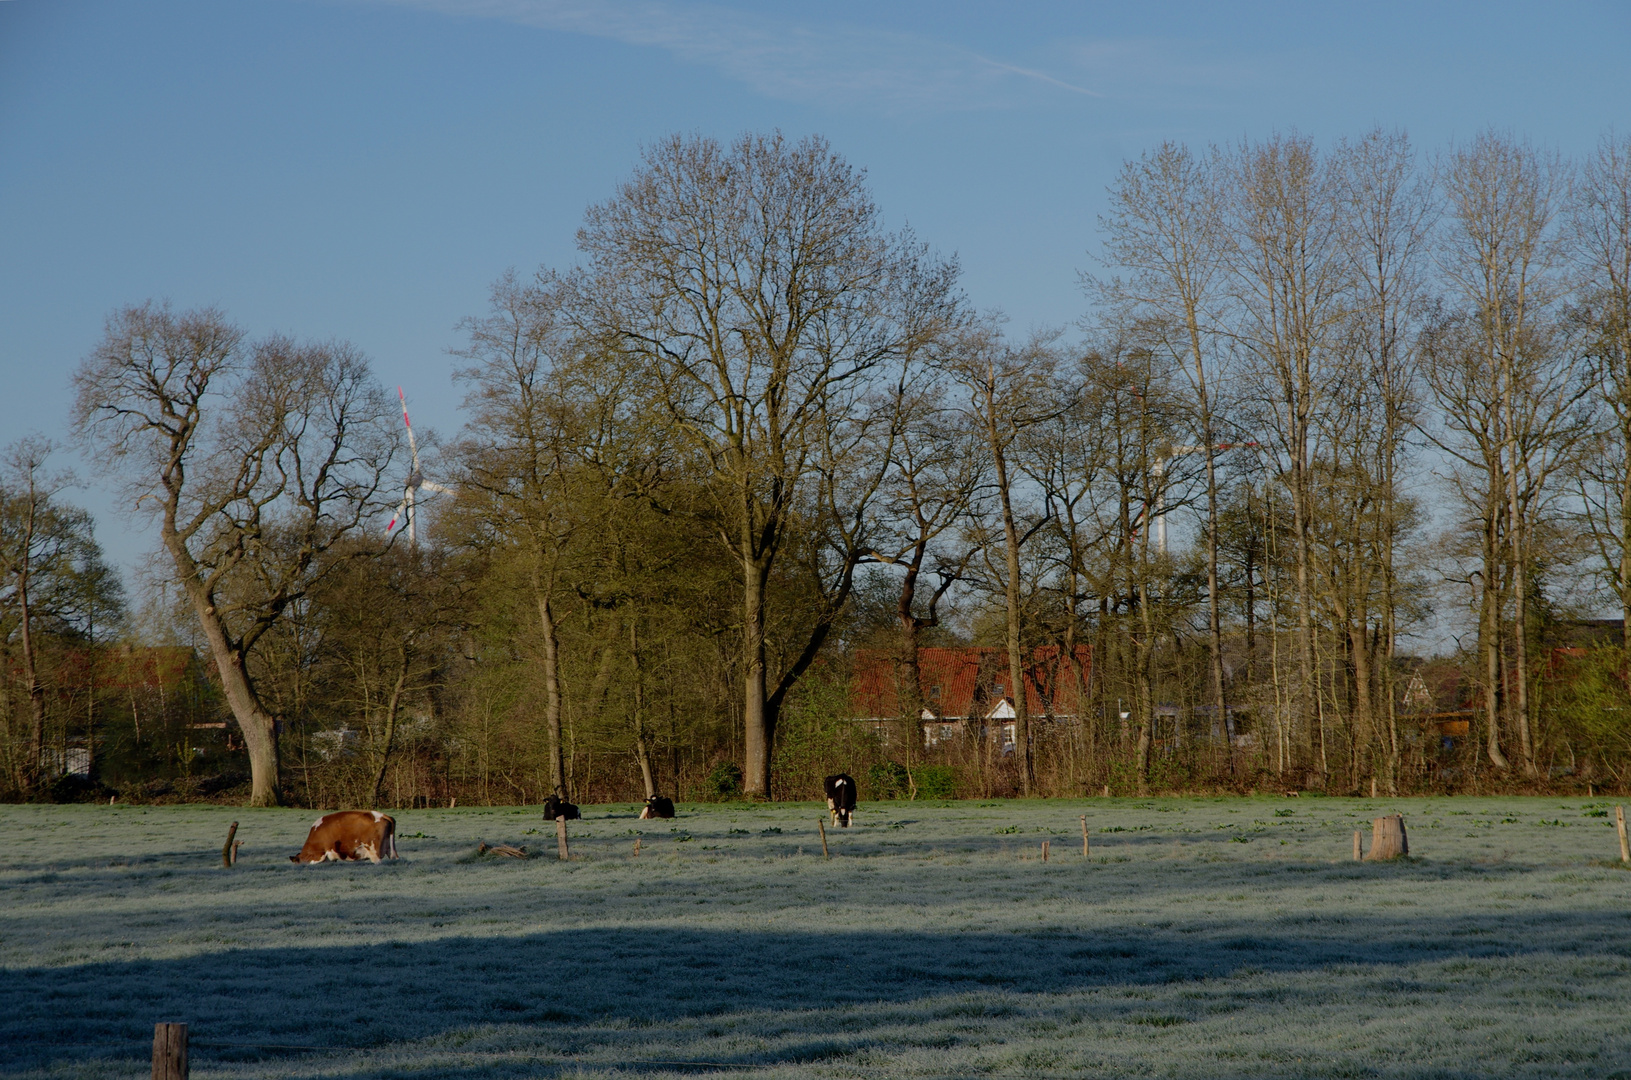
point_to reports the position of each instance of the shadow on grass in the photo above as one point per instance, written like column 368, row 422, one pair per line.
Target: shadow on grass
column 361, row 994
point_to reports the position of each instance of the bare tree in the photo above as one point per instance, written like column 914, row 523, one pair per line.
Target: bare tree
column 1166, row 228
column 519, row 454
column 1290, row 280
column 384, row 621
column 1600, row 227
column 37, row 541
column 1136, row 406
column 1387, row 216
column 757, row 286
column 1009, row 390
column 257, row 461
column 922, row 522
column 1501, row 255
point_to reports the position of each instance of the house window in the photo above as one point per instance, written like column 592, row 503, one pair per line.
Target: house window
column 934, row 691
column 998, row 689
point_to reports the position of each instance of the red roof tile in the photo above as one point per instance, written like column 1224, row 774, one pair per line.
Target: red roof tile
column 959, row 682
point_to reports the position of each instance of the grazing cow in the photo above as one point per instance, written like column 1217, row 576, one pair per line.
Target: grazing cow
column 658, row 806
column 557, row 807
column 349, row 834
column 840, row 798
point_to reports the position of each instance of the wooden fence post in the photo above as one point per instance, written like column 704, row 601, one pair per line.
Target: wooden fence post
column 637, row 847
column 229, row 854
column 1084, row 836
column 1044, row 851
column 1357, row 855
column 560, row 837
column 169, row 1052
column 1619, row 825
column 821, row 826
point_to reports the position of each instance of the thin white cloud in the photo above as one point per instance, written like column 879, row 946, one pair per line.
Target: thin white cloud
column 825, row 64
column 1167, row 71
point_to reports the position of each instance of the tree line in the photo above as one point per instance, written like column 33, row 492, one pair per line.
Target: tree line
column 1329, row 487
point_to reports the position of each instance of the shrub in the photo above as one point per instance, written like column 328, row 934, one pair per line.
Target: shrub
column 888, row 780
column 77, row 789
column 935, row 781
column 724, row 781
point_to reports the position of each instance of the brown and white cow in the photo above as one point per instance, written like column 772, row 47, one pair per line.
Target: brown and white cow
column 349, row 834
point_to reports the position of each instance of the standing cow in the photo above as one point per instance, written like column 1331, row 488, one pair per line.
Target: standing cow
column 840, row 790
column 349, row 834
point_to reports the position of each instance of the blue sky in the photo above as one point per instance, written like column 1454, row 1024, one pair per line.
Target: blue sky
column 363, row 170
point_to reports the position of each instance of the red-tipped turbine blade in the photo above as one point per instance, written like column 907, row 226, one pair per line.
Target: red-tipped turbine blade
column 400, row 508
column 413, row 447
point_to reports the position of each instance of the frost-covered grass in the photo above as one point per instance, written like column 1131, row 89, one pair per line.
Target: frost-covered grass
column 1202, row 938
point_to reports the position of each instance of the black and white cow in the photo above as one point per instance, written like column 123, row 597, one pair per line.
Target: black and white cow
column 658, row 806
column 840, row 798
column 557, row 807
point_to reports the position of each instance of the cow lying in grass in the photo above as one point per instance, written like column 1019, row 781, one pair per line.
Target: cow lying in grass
column 658, row 806
column 557, row 807
column 840, row 790
column 349, row 834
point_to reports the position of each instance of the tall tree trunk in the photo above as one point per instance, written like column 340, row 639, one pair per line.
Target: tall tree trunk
column 1016, row 659
column 1079, row 687
column 1214, row 618
column 908, row 670
column 1364, row 711
column 757, row 722
column 642, row 743
column 35, row 773
column 393, row 705
column 1313, row 714
column 1490, row 616
column 1520, row 602
column 1144, row 649
column 258, row 726
column 552, row 689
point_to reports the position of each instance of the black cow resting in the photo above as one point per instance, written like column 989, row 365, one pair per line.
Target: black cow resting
column 557, row 807
column 658, row 806
column 840, row 798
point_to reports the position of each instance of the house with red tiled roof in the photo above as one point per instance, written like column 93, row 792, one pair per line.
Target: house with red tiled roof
column 965, row 691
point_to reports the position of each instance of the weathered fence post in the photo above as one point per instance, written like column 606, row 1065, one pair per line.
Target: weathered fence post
column 560, row 837
column 1357, row 855
column 169, row 1052
column 821, row 826
column 636, row 847
column 1044, row 851
column 1084, row 836
column 229, row 853
column 1388, row 839
column 1619, row 825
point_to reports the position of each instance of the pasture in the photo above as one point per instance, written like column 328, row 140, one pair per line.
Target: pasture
column 1201, row 938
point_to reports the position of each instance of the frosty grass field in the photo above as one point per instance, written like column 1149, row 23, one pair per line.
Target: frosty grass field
column 1202, row 938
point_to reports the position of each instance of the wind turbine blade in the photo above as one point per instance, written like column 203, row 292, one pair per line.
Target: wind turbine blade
column 413, row 447
column 431, row 485
column 401, row 508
